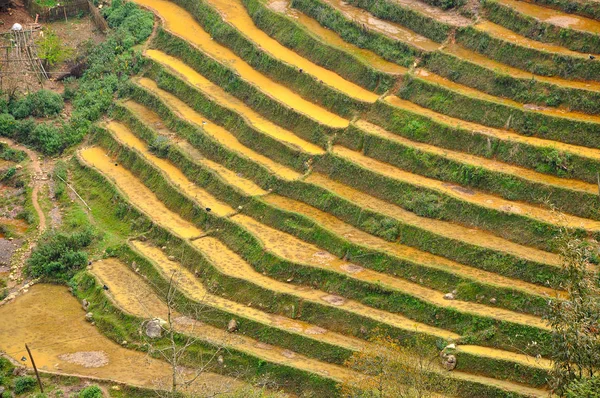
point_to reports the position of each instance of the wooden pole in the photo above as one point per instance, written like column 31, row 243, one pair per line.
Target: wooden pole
column 35, row 369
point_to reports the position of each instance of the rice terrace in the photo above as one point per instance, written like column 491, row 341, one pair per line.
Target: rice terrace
column 300, row 198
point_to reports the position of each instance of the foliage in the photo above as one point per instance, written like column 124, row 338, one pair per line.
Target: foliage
column 51, row 48
column 24, row 384
column 584, row 388
column 41, row 103
column 392, row 371
column 160, row 146
column 575, row 321
column 91, row 392
column 59, row 256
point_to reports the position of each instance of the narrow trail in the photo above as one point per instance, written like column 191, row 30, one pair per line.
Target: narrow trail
column 39, row 318
column 467, row 195
column 401, row 251
column 181, row 23
column 218, row 133
column 330, row 37
column 390, row 29
column 133, row 295
column 505, row 135
column 552, row 16
column 453, row 231
column 234, row 12
column 247, row 187
column 481, row 162
column 218, row 95
column 507, row 35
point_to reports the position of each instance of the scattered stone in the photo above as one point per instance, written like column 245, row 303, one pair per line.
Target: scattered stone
column 449, row 362
column 171, row 258
column 89, row 317
column 124, row 342
column 2, row 389
column 451, row 346
column 154, row 329
column 85, row 304
column 493, row 300
column 363, row 329
column 232, row 326
column 220, row 359
column 288, row 280
column 449, row 296
column 19, row 371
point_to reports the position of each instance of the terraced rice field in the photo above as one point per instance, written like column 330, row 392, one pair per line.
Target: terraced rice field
column 336, row 168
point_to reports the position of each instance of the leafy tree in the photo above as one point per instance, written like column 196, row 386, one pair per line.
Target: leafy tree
column 575, row 321
column 51, row 48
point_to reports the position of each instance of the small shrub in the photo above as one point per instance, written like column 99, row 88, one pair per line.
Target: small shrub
column 160, row 146
column 584, row 388
column 24, row 384
column 8, row 125
column 91, row 392
column 52, row 50
column 47, row 138
column 41, row 103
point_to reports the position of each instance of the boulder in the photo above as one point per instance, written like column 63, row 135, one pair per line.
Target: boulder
column 449, row 362
column 449, row 296
column 493, row 300
column 154, row 329
column 232, row 326
column 89, row 317
column 85, row 304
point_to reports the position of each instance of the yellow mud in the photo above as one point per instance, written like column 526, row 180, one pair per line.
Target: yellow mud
column 502, row 33
column 506, row 135
column 442, row 228
column 133, row 295
column 471, row 92
column 404, row 252
column 520, row 389
column 541, row 363
column 478, row 198
column 553, row 16
column 293, row 249
column 333, row 39
column 181, row 23
column 235, row 13
column 203, row 198
column 230, row 102
column 215, row 131
column 229, row 262
column 152, row 119
column 393, row 30
column 489, row 63
column 490, row 164
column 137, row 193
column 193, row 288
column 40, row 318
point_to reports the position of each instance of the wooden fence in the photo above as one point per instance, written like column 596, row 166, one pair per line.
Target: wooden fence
column 65, row 10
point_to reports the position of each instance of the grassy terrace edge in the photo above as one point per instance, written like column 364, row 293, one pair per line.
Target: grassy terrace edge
column 297, row 38
column 524, row 90
column 535, row 29
column 304, row 84
column 366, row 220
column 311, row 231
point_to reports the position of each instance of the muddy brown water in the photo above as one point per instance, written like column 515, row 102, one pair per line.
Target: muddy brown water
column 181, row 23
column 51, row 321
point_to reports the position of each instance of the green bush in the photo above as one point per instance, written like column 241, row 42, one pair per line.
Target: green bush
column 42, row 103
column 91, row 392
column 52, row 50
column 585, row 388
column 60, row 256
column 24, row 384
column 8, row 125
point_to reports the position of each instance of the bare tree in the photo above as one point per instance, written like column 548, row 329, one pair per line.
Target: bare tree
column 575, row 321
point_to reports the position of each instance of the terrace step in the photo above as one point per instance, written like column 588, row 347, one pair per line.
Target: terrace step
column 293, row 249
column 217, row 132
column 135, row 297
column 389, row 29
column 452, row 231
column 471, row 92
column 330, row 37
column 234, row 12
column 182, row 24
column 399, row 250
column 481, row 60
column 449, row 17
column 507, row 35
column 230, row 263
column 226, row 100
column 492, row 166
column 246, row 186
column 297, row 251
column 506, row 135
